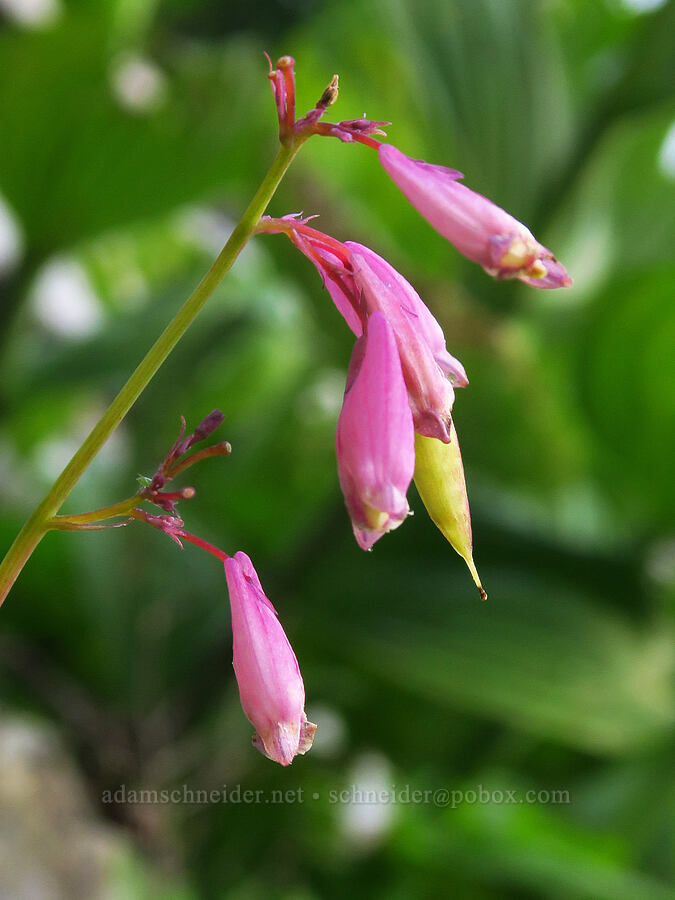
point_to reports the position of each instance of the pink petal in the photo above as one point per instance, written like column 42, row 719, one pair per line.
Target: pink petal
column 412, row 304
column 430, row 393
column 375, row 436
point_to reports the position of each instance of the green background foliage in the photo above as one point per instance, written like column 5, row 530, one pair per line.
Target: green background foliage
column 119, row 644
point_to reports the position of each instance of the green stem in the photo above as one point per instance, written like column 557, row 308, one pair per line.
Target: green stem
column 38, row 523
column 123, row 508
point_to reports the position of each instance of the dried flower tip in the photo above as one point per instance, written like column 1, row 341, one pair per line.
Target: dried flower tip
column 285, row 62
column 330, row 95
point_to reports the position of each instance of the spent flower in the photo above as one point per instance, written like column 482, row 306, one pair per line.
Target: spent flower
column 440, row 482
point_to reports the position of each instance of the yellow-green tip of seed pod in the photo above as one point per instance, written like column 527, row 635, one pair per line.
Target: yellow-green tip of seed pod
column 439, row 477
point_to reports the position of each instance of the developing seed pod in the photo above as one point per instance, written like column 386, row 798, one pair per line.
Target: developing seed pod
column 439, row 478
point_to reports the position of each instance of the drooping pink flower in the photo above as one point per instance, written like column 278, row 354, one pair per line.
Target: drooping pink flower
column 360, row 282
column 375, row 436
column 409, row 301
column 270, row 684
column 425, row 361
column 478, row 228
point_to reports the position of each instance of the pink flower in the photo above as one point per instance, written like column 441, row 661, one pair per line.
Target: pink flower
column 410, row 302
column 396, row 417
column 270, row 684
column 478, row 228
column 425, row 361
column 375, row 436
column 360, row 283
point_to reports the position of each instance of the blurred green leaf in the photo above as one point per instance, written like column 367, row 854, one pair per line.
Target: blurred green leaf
column 95, row 165
column 535, row 655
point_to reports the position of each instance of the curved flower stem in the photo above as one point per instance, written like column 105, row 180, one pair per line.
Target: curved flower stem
column 288, row 226
column 39, row 522
column 205, row 545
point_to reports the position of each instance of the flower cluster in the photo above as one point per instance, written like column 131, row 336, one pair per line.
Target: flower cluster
column 396, row 419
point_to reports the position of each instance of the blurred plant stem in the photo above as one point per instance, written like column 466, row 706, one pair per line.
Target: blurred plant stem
column 87, row 520
column 39, row 522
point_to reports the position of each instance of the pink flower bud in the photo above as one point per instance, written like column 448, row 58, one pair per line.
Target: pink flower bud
column 375, row 436
column 270, row 684
column 478, row 228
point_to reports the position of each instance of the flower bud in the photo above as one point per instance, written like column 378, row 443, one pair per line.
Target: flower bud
column 270, row 684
